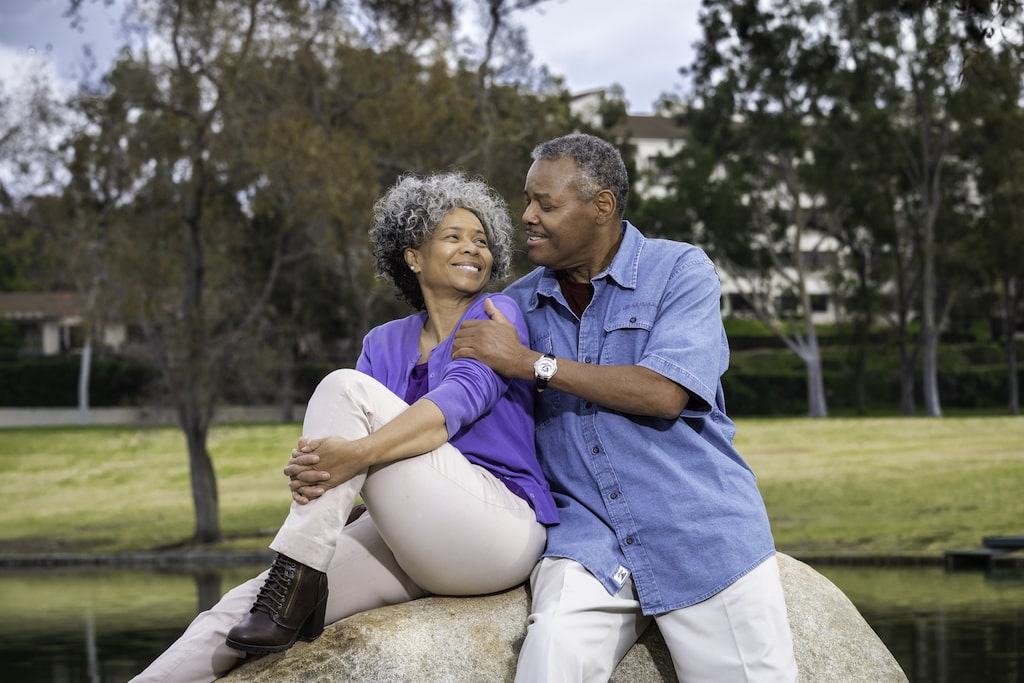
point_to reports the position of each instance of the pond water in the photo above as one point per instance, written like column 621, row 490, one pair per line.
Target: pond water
column 104, row 626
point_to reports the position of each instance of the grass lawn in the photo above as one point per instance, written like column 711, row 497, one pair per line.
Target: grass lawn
column 833, row 486
column 887, row 485
column 114, row 489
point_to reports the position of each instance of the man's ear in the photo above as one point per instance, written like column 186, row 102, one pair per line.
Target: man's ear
column 605, row 203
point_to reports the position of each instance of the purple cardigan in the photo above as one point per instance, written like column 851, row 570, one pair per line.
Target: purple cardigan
column 489, row 418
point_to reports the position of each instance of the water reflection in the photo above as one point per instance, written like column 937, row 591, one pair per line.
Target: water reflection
column 98, row 626
column 943, row 627
column 104, row 626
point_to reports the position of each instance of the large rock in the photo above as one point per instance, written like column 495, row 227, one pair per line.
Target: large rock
column 475, row 640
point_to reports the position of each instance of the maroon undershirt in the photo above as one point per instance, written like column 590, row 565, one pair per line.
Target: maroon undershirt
column 577, row 294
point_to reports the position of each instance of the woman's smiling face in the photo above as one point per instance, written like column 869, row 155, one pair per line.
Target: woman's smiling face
column 456, row 258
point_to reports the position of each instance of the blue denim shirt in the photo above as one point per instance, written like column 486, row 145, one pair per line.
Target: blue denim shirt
column 669, row 501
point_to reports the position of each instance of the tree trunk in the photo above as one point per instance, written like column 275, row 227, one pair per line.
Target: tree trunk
column 287, row 388
column 83, row 381
column 201, row 473
column 929, row 326
column 1010, row 329
column 208, row 589
column 908, row 356
column 930, row 373
column 1012, row 385
column 860, row 403
column 817, row 405
column 85, row 366
column 930, row 343
column 908, row 406
column 860, row 337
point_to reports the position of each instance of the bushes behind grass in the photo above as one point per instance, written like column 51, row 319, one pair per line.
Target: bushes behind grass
column 52, row 382
column 764, row 379
column 774, row 381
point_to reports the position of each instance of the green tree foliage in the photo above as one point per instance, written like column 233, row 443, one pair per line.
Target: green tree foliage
column 836, row 119
column 29, row 119
column 994, row 129
column 761, row 82
column 222, row 181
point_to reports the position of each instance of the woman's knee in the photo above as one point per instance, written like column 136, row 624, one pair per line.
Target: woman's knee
column 340, row 380
column 343, row 387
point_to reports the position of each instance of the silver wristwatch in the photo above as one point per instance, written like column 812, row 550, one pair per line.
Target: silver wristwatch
column 543, row 370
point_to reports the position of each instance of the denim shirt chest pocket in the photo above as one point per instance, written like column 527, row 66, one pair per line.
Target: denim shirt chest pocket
column 625, row 333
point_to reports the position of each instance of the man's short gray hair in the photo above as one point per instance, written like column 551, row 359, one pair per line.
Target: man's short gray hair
column 599, row 162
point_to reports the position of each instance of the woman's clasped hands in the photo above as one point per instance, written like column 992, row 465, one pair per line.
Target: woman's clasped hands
column 320, row 464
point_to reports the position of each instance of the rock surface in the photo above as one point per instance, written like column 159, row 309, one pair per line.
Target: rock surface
column 475, row 640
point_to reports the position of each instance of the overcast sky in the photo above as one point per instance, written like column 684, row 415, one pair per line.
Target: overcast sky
column 639, row 44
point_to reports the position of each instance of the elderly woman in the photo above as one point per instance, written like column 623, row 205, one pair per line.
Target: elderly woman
column 440, row 450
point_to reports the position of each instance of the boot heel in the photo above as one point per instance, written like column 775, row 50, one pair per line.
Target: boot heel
column 314, row 624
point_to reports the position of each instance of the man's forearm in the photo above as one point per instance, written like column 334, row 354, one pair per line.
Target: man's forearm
column 629, row 389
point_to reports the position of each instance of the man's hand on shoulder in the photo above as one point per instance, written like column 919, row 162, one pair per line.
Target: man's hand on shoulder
column 494, row 342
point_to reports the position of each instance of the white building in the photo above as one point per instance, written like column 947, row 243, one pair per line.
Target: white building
column 51, row 323
column 659, row 135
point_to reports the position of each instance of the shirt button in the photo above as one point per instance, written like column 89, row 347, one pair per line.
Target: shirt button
column 587, row 359
column 629, row 540
column 632, row 319
column 588, row 404
column 614, row 496
column 595, row 450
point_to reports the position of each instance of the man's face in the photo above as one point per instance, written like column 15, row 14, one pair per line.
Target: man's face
column 559, row 226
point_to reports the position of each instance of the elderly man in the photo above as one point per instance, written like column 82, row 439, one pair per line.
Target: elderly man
column 661, row 518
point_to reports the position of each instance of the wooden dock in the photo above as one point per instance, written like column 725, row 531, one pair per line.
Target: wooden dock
column 996, row 552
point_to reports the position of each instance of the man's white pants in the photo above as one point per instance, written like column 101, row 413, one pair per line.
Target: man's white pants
column 578, row 632
column 436, row 523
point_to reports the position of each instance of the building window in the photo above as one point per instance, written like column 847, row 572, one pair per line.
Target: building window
column 819, row 303
column 818, row 260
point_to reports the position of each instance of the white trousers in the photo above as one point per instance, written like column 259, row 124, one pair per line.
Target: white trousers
column 436, row 524
column 578, row 632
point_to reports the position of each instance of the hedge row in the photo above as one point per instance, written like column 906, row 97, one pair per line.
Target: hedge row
column 771, row 384
column 785, row 392
column 52, row 382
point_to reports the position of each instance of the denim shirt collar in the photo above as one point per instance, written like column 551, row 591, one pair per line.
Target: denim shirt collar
column 624, row 269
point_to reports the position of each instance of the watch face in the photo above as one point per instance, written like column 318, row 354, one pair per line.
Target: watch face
column 545, row 367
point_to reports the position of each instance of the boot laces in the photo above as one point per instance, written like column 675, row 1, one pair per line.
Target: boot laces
column 272, row 595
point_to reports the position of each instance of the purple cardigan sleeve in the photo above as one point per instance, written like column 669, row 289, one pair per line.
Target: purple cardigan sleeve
column 468, row 388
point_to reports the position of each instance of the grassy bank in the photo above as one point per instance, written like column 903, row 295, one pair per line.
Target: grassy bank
column 833, row 486
column 888, row 485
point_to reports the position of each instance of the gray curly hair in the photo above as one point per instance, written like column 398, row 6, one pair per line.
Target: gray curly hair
column 409, row 212
column 599, row 162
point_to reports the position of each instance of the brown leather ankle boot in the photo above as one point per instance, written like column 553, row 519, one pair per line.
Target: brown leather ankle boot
column 291, row 605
